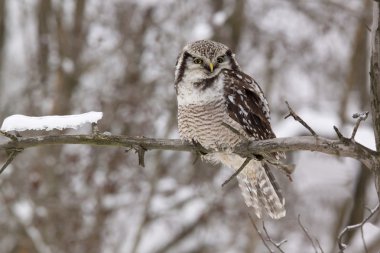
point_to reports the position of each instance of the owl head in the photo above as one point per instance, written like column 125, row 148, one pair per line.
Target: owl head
column 203, row 59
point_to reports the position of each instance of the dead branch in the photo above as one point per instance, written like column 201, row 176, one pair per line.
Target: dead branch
column 306, row 232
column 260, row 234
column 8, row 135
column 11, row 157
column 341, row 244
column 361, row 117
column 246, row 161
column 266, row 238
column 274, row 243
column 299, row 119
column 343, row 147
column 368, row 157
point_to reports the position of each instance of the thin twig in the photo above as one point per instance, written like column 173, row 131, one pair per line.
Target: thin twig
column 377, row 183
column 196, row 158
column 140, row 150
column 338, row 133
column 260, row 235
column 363, row 240
column 276, row 244
column 319, row 245
column 347, row 229
column 234, row 130
column 307, row 233
column 94, row 128
column 8, row 135
column 343, row 139
column 361, row 117
column 298, row 118
column 288, row 169
column 11, row 157
column 246, row 161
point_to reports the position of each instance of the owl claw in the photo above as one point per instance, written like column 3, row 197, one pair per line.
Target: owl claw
column 258, row 157
column 199, row 148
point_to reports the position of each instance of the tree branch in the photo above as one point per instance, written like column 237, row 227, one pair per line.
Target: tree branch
column 347, row 229
column 274, row 243
column 246, row 161
column 11, row 157
column 368, row 157
column 306, row 232
column 361, row 117
column 260, row 234
column 299, row 119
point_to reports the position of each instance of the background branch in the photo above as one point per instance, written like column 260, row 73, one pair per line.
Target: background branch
column 375, row 74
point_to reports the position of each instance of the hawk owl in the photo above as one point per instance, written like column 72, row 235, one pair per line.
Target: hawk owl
column 219, row 107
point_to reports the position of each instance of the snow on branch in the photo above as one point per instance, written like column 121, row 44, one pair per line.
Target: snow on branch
column 22, row 123
column 344, row 147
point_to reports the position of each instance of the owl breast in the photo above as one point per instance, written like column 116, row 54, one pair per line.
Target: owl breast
column 206, row 124
column 202, row 113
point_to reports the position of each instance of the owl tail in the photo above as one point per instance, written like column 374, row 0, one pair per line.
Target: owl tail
column 261, row 191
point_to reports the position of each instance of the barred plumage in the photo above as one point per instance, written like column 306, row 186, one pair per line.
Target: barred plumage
column 220, row 107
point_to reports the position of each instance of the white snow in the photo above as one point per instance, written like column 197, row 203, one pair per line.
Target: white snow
column 20, row 122
column 24, row 211
column 219, row 18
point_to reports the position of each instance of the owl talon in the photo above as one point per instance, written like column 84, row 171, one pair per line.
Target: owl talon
column 199, row 149
column 258, row 157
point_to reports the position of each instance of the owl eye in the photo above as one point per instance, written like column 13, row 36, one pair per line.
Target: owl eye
column 220, row 59
column 197, row 61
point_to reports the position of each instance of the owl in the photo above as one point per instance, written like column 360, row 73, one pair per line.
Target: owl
column 220, row 107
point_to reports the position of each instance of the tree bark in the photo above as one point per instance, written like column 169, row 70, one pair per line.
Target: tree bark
column 343, row 148
column 375, row 74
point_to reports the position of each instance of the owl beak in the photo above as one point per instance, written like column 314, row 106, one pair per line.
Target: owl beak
column 211, row 67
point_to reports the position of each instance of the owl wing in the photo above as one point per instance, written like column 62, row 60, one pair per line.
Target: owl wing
column 247, row 105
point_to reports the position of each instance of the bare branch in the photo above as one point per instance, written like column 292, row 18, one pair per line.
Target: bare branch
column 11, row 157
column 342, row 246
column 307, row 234
column 319, row 245
column 234, row 130
column 8, row 135
column 377, row 183
column 341, row 148
column 276, row 244
column 246, row 161
column 141, row 154
column 361, row 117
column 288, row 169
column 340, row 135
column 298, row 118
column 363, row 240
column 260, row 235
column 186, row 231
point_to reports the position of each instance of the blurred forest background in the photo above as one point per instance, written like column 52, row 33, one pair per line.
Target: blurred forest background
column 118, row 57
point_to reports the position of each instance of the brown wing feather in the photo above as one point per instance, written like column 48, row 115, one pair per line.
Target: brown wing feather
column 247, row 105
